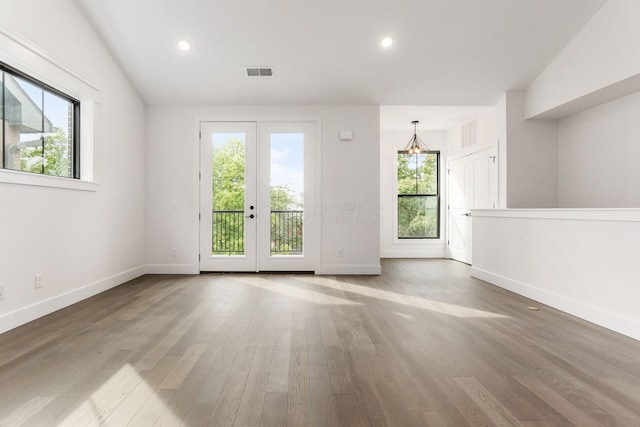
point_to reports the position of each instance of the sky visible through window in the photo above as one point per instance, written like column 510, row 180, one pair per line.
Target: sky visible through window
column 287, row 161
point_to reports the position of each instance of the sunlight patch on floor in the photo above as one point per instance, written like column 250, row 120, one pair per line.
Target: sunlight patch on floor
column 294, row 291
column 103, row 404
column 405, row 316
column 412, row 301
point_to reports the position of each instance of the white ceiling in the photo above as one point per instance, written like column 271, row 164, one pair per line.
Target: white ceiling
column 431, row 118
column 447, row 52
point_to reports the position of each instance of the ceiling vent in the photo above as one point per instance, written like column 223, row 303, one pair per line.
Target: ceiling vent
column 259, row 71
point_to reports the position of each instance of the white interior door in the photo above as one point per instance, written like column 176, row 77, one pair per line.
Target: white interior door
column 484, row 179
column 473, row 184
column 256, row 195
column 459, row 227
column 228, row 196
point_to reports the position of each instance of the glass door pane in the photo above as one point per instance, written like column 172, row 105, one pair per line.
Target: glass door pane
column 228, row 193
column 287, row 194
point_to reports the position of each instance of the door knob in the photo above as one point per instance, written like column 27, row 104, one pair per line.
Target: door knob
column 466, row 214
column 250, row 216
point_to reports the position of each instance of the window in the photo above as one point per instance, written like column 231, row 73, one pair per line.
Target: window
column 40, row 127
column 418, row 195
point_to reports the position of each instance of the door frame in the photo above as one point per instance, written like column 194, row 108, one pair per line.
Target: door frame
column 317, row 210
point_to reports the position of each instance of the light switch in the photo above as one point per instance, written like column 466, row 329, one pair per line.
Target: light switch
column 346, row 135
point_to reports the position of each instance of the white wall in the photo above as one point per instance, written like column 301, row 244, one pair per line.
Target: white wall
column 527, row 152
column 600, row 64
column 591, row 87
column 583, row 262
column 487, row 134
column 349, row 175
column 532, row 158
column 390, row 247
column 577, row 260
column 501, row 135
column 491, row 133
column 82, row 241
column 599, row 156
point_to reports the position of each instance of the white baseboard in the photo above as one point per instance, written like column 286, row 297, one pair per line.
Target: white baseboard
column 610, row 320
column 436, row 252
column 171, row 269
column 370, row 270
column 42, row 308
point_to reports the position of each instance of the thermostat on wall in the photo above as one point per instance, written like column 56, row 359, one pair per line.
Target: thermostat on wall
column 346, row 135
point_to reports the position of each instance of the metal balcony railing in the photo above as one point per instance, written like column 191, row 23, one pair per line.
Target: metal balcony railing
column 286, row 232
column 228, row 232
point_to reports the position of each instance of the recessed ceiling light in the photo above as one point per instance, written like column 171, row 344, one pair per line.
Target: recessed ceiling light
column 386, row 42
column 184, row 45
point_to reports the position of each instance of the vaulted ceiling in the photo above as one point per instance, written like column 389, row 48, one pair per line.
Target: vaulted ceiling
column 445, row 52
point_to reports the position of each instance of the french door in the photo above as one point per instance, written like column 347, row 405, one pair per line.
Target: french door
column 256, row 190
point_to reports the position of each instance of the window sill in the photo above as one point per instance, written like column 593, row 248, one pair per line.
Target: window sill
column 25, row 178
column 418, row 242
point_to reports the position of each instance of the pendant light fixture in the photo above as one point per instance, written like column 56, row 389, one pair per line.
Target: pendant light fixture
column 415, row 144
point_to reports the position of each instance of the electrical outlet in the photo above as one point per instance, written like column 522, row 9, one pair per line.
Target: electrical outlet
column 1, row 292
column 174, row 252
column 38, row 280
column 340, row 253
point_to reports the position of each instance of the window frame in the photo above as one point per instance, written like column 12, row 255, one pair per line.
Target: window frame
column 76, row 156
column 436, row 195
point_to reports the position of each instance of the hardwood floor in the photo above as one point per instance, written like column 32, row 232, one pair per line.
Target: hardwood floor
column 421, row 345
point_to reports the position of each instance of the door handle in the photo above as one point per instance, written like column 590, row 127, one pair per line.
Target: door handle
column 250, row 216
column 466, row 214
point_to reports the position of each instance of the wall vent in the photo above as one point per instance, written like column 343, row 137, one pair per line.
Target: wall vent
column 259, row 71
column 470, row 134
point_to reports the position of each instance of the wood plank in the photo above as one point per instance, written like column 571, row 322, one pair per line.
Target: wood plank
column 24, row 412
column 120, row 404
column 324, row 411
column 368, row 402
column 274, row 413
column 559, row 403
column 339, row 369
column 396, row 414
column 315, row 342
column 183, row 366
column 251, row 406
column 299, row 394
column 410, row 393
column 226, row 409
column 349, row 414
column 71, row 390
column 432, row 419
column 487, row 402
column 278, row 381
